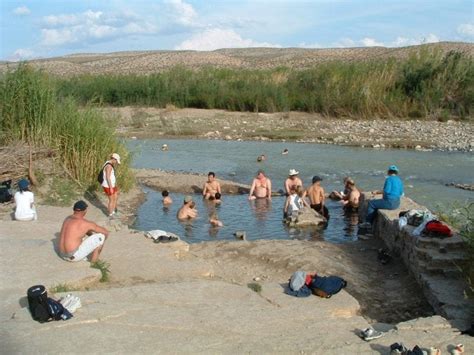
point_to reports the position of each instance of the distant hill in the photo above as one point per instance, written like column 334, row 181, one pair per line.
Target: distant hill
column 147, row 62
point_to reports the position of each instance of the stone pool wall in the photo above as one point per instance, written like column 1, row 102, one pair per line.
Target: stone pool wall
column 434, row 262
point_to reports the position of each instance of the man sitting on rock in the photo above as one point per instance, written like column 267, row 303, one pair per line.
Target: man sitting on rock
column 211, row 186
column 79, row 237
column 187, row 211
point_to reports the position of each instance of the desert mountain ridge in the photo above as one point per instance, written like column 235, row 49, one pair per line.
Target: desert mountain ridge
column 154, row 61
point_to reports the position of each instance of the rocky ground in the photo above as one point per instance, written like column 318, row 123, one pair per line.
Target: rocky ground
column 178, row 298
column 145, row 122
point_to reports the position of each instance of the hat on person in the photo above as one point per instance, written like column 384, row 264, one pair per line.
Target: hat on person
column 393, row 167
column 316, row 179
column 80, row 206
column 293, row 172
column 116, row 157
column 23, row 184
column 188, row 198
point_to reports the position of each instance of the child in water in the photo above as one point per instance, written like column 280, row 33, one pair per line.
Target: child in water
column 214, row 220
column 166, row 198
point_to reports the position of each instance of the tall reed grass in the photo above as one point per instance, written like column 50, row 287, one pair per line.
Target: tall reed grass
column 427, row 84
column 30, row 111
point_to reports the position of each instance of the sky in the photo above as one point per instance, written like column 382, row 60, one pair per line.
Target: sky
column 48, row 28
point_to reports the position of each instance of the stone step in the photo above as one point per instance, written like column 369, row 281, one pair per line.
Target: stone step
column 437, row 258
column 450, row 271
column 453, row 243
column 447, row 296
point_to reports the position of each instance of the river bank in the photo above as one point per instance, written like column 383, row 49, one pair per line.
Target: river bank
column 146, row 122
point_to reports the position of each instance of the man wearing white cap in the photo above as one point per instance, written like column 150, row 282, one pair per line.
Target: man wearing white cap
column 292, row 181
column 109, row 183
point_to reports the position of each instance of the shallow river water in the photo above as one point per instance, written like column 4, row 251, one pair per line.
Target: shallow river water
column 424, row 173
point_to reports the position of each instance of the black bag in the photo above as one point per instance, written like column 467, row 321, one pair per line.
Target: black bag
column 100, row 177
column 5, row 194
column 38, row 303
column 44, row 309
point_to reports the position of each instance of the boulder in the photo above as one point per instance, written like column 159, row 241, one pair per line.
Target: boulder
column 306, row 217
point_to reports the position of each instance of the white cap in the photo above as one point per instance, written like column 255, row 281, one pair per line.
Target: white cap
column 116, row 157
column 293, row 172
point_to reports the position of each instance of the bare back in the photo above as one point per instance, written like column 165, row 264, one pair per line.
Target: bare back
column 74, row 229
column 315, row 194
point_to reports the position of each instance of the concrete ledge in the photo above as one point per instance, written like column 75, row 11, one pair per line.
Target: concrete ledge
column 434, row 262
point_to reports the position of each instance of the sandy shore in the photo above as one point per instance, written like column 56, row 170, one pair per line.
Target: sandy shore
column 146, row 122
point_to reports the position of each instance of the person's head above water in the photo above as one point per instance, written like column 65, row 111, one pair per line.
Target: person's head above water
column 392, row 170
column 293, row 173
column 165, row 193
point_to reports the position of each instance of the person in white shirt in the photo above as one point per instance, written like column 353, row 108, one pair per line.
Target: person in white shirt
column 109, row 183
column 25, row 202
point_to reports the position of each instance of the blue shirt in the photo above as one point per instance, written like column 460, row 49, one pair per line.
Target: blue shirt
column 393, row 188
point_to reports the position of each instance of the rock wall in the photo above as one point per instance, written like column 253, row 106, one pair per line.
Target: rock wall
column 435, row 263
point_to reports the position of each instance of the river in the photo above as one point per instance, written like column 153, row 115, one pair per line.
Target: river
column 424, row 174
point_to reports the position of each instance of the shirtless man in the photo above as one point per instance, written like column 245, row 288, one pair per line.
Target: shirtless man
column 351, row 200
column 316, row 197
column 261, row 187
column 187, row 210
column 80, row 237
column 292, row 181
column 211, row 186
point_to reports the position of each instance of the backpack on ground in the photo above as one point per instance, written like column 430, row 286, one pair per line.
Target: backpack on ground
column 297, row 285
column 44, row 309
column 326, row 286
column 5, row 192
column 100, row 177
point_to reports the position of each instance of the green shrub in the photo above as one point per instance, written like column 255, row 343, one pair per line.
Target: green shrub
column 30, row 111
column 426, row 83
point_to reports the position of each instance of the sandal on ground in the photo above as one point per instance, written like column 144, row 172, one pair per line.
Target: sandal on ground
column 370, row 334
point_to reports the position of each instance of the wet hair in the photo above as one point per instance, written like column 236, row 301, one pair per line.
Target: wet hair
column 165, row 193
column 211, row 173
column 217, row 196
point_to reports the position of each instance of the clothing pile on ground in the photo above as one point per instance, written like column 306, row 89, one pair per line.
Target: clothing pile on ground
column 302, row 284
column 161, row 236
column 45, row 309
column 427, row 224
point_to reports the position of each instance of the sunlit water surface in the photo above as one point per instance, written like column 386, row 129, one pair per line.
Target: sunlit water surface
column 424, row 173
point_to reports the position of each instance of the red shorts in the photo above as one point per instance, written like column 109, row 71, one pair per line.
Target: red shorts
column 109, row 191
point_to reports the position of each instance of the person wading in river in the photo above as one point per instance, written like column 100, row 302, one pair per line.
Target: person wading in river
column 316, row 197
column 261, row 187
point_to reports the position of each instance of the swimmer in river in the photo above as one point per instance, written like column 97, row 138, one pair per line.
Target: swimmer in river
column 214, row 220
column 285, row 152
column 187, row 211
column 164, row 147
column 261, row 187
column 261, row 158
column 166, row 198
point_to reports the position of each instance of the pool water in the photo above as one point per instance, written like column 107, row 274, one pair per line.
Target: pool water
column 424, row 174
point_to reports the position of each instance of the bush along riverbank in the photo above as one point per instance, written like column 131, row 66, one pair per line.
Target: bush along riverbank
column 81, row 138
column 427, row 84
